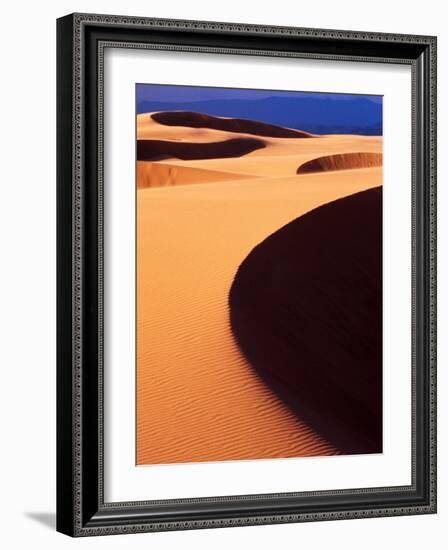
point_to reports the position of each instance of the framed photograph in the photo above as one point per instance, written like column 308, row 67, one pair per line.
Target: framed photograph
column 246, row 274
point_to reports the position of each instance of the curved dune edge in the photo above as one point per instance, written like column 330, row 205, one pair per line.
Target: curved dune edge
column 344, row 161
column 305, row 309
column 153, row 149
column 193, row 119
column 157, row 174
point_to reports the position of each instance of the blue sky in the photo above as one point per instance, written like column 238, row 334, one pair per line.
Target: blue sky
column 174, row 94
column 317, row 112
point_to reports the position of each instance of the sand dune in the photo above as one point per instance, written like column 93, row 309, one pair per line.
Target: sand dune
column 273, row 160
column 237, row 125
column 319, row 350
column 281, row 157
column 345, row 161
column 158, row 174
column 198, row 398
column 154, row 149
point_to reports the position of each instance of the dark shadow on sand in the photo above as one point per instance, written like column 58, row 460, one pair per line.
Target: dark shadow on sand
column 306, row 311
column 154, row 149
column 343, row 161
column 191, row 119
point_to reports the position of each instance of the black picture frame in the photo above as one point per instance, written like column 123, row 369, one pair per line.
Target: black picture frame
column 81, row 510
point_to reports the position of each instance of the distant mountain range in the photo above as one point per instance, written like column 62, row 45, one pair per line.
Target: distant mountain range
column 324, row 114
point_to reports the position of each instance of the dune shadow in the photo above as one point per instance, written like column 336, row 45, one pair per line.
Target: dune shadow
column 306, row 311
column 342, row 161
column 155, row 149
column 191, row 119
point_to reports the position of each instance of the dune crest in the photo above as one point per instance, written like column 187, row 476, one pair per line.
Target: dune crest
column 343, row 161
column 154, row 149
column 192, row 119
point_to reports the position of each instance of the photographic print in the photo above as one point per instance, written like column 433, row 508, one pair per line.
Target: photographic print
column 258, row 274
column 246, row 319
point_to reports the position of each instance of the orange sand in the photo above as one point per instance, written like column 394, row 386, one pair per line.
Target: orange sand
column 197, row 397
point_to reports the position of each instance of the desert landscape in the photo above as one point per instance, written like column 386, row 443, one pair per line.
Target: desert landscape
column 214, row 194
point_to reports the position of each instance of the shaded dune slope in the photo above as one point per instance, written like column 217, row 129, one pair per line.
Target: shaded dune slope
column 305, row 309
column 344, row 161
column 238, row 125
column 152, row 149
column 159, row 174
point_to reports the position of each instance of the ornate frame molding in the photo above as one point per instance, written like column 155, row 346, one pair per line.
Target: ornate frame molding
column 75, row 503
